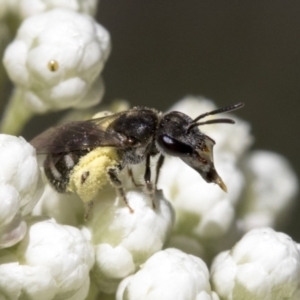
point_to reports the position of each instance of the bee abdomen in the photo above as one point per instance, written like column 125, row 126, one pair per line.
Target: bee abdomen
column 58, row 168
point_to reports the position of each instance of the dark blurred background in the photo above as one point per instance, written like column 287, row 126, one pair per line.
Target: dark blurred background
column 228, row 51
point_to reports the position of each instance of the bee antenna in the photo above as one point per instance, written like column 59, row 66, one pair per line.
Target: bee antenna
column 228, row 121
column 220, row 110
column 214, row 112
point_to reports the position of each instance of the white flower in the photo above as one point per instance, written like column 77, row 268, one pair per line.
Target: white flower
column 264, row 264
column 169, row 274
column 20, row 187
column 124, row 240
column 55, row 61
column 65, row 208
column 271, row 189
column 52, row 261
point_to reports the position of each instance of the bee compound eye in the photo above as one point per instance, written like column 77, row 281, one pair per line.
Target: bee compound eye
column 174, row 147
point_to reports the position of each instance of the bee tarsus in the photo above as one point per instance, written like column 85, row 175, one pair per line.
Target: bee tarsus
column 116, row 182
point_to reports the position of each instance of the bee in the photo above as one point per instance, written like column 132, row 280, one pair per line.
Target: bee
column 83, row 156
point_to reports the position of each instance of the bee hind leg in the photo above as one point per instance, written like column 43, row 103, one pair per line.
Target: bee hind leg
column 116, row 182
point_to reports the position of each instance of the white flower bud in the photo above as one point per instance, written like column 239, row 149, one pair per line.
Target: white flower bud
column 56, row 59
column 123, row 240
column 264, row 265
column 270, row 192
column 20, row 187
column 169, row 274
column 13, row 232
column 65, row 208
column 52, row 261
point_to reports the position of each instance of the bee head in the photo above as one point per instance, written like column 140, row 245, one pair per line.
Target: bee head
column 178, row 135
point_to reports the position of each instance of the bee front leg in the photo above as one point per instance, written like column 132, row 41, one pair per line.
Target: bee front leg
column 159, row 164
column 116, row 182
column 148, row 182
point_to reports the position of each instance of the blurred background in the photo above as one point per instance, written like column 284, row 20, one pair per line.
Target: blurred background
column 227, row 51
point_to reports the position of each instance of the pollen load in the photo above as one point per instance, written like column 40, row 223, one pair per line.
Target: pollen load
column 89, row 176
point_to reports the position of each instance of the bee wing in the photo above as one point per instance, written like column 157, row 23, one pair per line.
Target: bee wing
column 79, row 135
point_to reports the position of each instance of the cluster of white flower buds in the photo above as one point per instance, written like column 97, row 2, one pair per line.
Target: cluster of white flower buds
column 160, row 248
column 55, row 61
column 20, row 187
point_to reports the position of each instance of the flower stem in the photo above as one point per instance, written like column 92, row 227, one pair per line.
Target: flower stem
column 16, row 114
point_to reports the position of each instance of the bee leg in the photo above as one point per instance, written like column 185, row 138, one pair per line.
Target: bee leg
column 147, row 178
column 88, row 208
column 116, row 182
column 159, row 164
column 130, row 174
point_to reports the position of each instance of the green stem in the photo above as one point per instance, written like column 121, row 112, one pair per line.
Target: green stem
column 16, row 114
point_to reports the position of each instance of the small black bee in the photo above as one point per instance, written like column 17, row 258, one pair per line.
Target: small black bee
column 82, row 156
